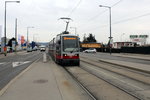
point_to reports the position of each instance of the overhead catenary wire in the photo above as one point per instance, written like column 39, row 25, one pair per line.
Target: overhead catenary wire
column 73, row 10
column 116, row 3
column 124, row 20
column 96, row 16
column 132, row 18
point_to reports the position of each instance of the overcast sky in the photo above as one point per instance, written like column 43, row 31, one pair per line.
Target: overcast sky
column 128, row 17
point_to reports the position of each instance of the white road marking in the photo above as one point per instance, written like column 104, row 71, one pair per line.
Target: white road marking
column 3, row 63
column 15, row 64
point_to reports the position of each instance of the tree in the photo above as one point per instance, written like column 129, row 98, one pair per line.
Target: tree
column 10, row 41
column 84, row 39
column 89, row 39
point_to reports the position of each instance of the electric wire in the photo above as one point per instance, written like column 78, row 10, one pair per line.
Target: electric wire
column 73, row 10
column 124, row 20
column 96, row 16
column 132, row 18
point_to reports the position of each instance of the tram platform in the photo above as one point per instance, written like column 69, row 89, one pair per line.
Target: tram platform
column 43, row 81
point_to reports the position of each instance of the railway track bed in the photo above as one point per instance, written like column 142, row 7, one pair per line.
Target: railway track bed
column 112, row 83
column 99, row 88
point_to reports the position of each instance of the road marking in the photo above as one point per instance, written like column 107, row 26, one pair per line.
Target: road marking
column 1, row 63
column 15, row 64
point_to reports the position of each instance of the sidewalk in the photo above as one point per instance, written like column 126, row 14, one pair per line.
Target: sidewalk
column 44, row 81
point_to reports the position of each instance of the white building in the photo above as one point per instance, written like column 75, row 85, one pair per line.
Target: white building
column 118, row 45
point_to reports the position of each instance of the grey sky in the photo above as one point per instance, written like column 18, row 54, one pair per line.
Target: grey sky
column 88, row 17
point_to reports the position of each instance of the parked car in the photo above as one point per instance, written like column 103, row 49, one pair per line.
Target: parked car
column 90, row 50
column 29, row 49
column 35, row 48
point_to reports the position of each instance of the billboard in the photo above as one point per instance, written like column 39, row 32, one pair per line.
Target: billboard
column 90, row 45
column 140, row 39
column 138, row 36
column 22, row 40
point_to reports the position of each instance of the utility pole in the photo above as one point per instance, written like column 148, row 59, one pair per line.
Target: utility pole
column 5, row 37
column 16, row 35
column 110, row 38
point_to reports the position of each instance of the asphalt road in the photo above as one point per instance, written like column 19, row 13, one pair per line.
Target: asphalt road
column 112, row 57
column 11, row 66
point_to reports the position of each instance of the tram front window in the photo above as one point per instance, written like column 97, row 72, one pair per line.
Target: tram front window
column 70, row 44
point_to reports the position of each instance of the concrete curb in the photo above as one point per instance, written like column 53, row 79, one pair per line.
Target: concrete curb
column 3, row 90
column 130, row 67
column 132, row 57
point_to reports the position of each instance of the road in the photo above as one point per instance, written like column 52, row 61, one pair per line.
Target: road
column 13, row 64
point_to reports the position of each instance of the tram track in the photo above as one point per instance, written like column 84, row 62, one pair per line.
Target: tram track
column 128, row 84
column 121, row 70
column 130, row 81
column 125, row 66
column 80, row 84
column 104, row 90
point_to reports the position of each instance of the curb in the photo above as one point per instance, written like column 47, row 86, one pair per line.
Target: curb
column 132, row 57
column 129, row 67
column 3, row 90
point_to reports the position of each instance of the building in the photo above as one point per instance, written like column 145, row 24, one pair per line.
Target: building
column 118, row 45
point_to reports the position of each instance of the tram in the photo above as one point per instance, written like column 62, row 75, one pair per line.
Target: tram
column 64, row 49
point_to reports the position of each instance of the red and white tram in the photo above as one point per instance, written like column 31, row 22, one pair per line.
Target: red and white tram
column 64, row 49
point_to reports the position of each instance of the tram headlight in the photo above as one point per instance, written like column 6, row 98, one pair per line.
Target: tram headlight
column 76, row 55
column 64, row 54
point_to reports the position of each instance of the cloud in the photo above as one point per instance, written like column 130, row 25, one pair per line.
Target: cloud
column 88, row 17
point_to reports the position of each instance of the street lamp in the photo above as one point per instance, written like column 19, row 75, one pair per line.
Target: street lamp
column 5, row 48
column 110, row 38
column 75, row 29
column 27, row 34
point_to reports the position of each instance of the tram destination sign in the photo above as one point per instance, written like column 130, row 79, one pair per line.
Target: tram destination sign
column 70, row 38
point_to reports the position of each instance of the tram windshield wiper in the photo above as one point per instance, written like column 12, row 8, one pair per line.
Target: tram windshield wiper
column 73, row 50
